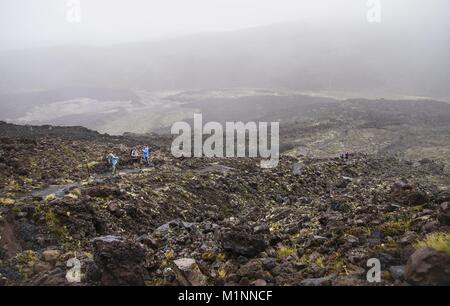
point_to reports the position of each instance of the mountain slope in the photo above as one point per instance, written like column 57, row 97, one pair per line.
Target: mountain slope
column 308, row 221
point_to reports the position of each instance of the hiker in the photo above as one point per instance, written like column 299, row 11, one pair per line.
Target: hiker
column 346, row 155
column 146, row 155
column 134, row 155
column 113, row 160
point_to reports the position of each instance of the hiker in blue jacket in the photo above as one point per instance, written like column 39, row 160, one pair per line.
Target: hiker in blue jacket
column 146, row 155
column 114, row 161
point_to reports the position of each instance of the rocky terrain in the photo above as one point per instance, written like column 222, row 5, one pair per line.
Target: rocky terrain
column 324, row 127
column 309, row 221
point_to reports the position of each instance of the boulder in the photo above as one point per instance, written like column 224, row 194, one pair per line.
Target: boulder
column 397, row 272
column 103, row 191
column 322, row 281
column 259, row 283
column 9, row 245
column 40, row 267
column 444, row 213
column 118, row 261
column 252, row 269
column 417, row 198
column 242, row 243
column 55, row 277
column 429, row 267
column 340, row 206
column 408, row 194
column 188, row 273
column 244, row 281
column 173, row 224
column 443, row 196
column 262, row 228
column 148, row 241
column 343, row 182
column 51, row 256
column 400, row 186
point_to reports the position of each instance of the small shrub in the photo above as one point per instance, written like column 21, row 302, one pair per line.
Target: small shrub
column 283, row 252
column 169, row 255
column 320, row 262
column 222, row 273
column 7, row 201
column 50, row 197
column 76, row 192
column 25, row 262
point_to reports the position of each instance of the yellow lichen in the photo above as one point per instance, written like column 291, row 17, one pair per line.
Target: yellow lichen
column 222, row 273
column 76, row 192
column 275, row 227
column 320, row 262
column 304, row 260
column 220, row 257
column 169, row 255
column 25, row 262
column 54, row 227
column 208, row 256
column 89, row 164
column 50, row 197
column 283, row 252
column 7, row 201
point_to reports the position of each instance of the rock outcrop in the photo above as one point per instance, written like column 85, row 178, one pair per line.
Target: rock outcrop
column 117, row 261
column 428, row 267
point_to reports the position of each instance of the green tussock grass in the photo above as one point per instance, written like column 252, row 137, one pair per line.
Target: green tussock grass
column 283, row 252
column 436, row 241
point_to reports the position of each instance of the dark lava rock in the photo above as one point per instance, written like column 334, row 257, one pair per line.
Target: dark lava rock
column 118, row 261
column 444, row 214
column 252, row 269
column 148, row 241
column 173, row 224
column 269, row 263
column 397, row 272
column 116, row 210
column 417, row 198
column 55, row 277
column 322, row 281
column 103, row 191
column 343, row 182
column 408, row 194
column 241, row 243
column 339, row 206
column 428, row 267
column 9, row 245
column 262, row 228
column 400, row 187
column 444, row 196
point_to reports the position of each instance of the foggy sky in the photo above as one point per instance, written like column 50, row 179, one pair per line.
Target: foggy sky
column 30, row 23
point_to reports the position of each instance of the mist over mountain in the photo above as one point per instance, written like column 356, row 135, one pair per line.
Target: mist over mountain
column 375, row 59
